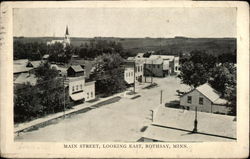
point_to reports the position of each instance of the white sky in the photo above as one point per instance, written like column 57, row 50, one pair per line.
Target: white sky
column 126, row 22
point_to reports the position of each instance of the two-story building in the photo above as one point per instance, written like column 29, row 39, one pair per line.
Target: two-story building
column 79, row 89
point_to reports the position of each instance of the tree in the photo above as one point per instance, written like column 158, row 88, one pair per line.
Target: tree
column 223, row 77
column 224, row 81
column 44, row 72
column 108, row 74
column 195, row 71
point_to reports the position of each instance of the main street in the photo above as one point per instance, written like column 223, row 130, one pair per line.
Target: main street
column 121, row 121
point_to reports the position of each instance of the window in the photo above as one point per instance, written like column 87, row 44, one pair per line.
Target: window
column 81, row 86
column 189, row 99
column 88, row 95
column 73, row 88
column 158, row 66
column 201, row 101
column 91, row 94
column 76, row 87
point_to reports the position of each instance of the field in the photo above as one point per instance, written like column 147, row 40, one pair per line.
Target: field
column 174, row 46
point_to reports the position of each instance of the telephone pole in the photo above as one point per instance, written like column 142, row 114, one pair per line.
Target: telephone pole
column 161, row 97
column 134, row 75
column 63, row 97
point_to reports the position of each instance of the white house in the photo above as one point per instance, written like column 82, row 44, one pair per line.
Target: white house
column 206, row 99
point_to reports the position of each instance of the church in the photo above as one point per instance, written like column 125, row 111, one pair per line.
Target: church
column 65, row 41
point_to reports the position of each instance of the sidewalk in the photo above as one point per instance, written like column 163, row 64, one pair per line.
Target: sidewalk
column 23, row 126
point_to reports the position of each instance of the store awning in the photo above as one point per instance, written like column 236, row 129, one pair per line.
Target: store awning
column 77, row 96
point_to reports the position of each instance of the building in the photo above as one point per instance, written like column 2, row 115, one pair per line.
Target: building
column 65, row 41
column 25, row 78
column 133, row 71
column 154, row 67
column 75, row 71
column 157, row 65
column 129, row 72
column 206, row 99
column 24, row 66
column 170, row 63
column 176, row 125
column 79, row 89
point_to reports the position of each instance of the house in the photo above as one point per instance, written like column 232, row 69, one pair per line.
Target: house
column 206, row 99
column 75, row 71
column 176, row 125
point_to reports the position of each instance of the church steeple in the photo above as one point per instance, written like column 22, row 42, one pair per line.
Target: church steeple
column 67, row 37
column 67, row 31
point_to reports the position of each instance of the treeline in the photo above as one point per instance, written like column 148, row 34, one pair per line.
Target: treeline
column 44, row 98
column 201, row 67
column 59, row 53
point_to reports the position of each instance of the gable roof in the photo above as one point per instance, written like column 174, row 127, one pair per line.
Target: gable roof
column 209, row 92
column 76, row 68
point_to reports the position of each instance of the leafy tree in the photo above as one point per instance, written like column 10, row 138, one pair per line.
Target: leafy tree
column 27, row 103
column 195, row 71
column 108, row 74
column 44, row 72
column 223, row 77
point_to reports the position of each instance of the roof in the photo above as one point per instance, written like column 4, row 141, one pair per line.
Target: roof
column 165, row 57
column 167, row 134
column 208, row 123
column 46, row 56
column 77, row 68
column 20, row 66
column 35, row 64
column 89, row 83
column 25, row 78
column 208, row 91
column 140, row 55
column 154, row 61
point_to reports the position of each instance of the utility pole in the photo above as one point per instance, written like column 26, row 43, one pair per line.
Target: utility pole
column 195, row 121
column 161, row 97
column 152, row 72
column 63, row 98
column 134, row 75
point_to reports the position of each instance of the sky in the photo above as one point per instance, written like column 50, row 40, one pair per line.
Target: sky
column 125, row 22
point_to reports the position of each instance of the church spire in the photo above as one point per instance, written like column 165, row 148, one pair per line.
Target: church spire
column 67, row 31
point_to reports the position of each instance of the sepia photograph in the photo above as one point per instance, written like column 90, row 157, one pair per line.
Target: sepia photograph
column 108, row 75
column 124, row 79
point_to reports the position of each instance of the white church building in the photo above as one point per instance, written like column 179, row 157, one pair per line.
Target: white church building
column 65, row 41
